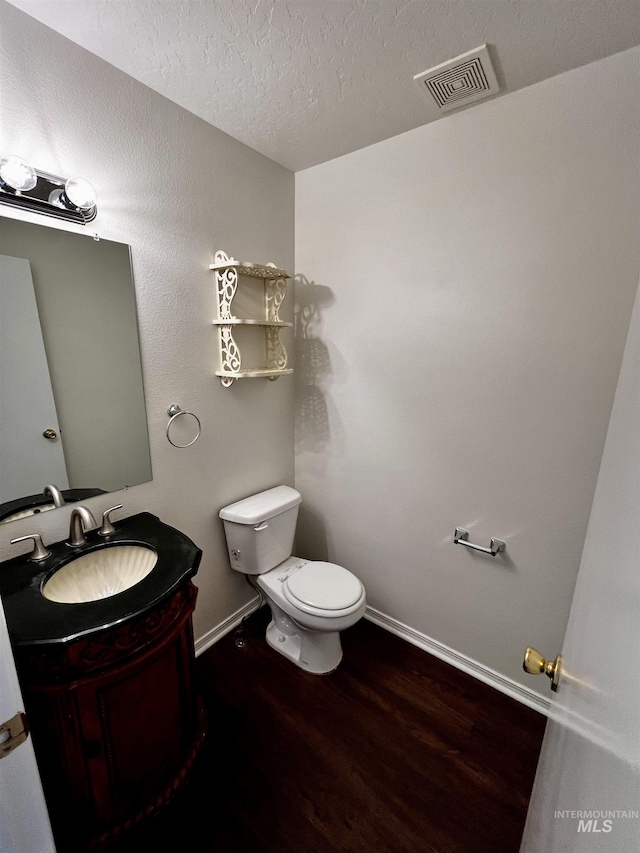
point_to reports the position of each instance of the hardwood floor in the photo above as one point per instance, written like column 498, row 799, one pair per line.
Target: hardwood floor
column 394, row 752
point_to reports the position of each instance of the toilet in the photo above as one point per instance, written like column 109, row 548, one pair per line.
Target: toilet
column 310, row 601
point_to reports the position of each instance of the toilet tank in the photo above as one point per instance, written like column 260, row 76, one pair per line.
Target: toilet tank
column 260, row 529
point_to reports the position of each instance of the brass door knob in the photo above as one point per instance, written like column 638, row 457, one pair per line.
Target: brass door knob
column 51, row 434
column 535, row 664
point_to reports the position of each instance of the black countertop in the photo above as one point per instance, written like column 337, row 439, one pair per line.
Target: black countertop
column 32, row 618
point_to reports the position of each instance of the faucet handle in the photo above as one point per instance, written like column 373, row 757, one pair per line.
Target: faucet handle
column 39, row 551
column 106, row 528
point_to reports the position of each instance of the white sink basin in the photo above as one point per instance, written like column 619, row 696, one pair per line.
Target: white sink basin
column 25, row 513
column 100, row 574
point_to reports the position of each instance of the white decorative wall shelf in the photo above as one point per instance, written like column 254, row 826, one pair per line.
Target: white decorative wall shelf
column 227, row 271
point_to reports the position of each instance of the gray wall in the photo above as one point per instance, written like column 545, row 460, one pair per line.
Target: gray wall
column 175, row 189
column 469, row 290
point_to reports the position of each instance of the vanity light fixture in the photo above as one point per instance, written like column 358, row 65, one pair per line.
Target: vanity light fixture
column 31, row 189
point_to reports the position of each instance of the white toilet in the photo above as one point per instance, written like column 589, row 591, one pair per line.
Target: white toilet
column 311, row 602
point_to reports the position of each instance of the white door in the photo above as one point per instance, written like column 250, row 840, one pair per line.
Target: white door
column 586, row 796
column 28, row 460
column 24, row 821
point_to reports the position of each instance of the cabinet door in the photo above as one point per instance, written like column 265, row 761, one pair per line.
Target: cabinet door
column 137, row 723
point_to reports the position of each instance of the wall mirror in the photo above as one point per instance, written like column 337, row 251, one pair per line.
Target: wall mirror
column 72, row 410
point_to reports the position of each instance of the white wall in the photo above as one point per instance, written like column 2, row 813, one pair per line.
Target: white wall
column 176, row 189
column 469, row 291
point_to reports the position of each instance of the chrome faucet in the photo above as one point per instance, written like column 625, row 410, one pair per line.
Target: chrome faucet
column 56, row 495
column 82, row 521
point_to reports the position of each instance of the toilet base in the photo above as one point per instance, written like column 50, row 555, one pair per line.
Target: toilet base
column 312, row 651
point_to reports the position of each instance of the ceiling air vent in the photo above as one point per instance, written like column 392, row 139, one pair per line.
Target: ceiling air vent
column 459, row 81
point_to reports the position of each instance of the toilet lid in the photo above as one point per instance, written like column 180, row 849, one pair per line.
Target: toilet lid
column 325, row 586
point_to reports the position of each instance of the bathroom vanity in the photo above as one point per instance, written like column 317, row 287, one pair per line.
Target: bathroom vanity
column 109, row 685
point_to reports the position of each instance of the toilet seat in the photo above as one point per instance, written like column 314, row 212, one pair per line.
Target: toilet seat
column 324, row 589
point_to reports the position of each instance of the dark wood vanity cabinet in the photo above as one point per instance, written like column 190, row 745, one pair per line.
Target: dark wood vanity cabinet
column 115, row 719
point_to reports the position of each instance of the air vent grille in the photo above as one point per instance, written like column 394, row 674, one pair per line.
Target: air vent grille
column 460, row 81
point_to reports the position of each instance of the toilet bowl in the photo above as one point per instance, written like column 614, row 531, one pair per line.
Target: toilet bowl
column 310, row 602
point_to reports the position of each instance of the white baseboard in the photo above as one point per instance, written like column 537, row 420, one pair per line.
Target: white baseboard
column 217, row 633
column 416, row 638
column 460, row 661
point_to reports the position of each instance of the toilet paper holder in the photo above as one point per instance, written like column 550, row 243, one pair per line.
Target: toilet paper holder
column 461, row 537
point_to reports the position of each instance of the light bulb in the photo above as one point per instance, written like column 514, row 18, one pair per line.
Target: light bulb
column 80, row 193
column 55, row 197
column 17, row 175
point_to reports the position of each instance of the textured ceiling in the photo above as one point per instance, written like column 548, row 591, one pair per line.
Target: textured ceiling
column 309, row 80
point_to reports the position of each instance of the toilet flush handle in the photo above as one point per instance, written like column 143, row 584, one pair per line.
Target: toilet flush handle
column 262, row 526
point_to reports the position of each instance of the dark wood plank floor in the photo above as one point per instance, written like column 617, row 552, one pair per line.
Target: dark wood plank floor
column 395, row 752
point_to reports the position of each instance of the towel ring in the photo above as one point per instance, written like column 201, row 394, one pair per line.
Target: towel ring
column 174, row 411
